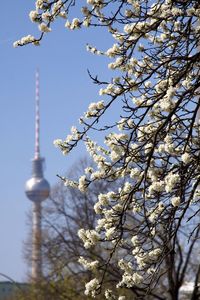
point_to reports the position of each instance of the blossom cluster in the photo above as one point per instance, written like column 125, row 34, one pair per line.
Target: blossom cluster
column 88, row 265
column 89, row 237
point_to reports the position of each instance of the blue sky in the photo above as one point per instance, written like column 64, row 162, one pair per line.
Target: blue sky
column 65, row 92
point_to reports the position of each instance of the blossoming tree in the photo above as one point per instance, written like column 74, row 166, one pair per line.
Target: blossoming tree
column 153, row 149
column 66, row 261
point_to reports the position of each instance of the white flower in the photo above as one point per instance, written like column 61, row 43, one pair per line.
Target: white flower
column 171, row 180
column 40, row 4
column 109, row 295
column 56, row 9
column 25, row 40
column 98, row 208
column 96, row 105
column 86, row 22
column 63, row 15
column 44, row 28
column 125, row 266
column 154, row 254
column 82, row 184
column 155, row 212
column 91, row 287
column 33, row 15
column 103, row 199
column 156, row 186
column 175, row 201
column 121, row 124
column 147, row 84
column 171, row 92
column 151, row 271
column 112, row 51
column 196, row 195
column 70, row 183
column 68, row 24
column 89, row 237
column 110, row 232
column 135, row 173
column 16, row 44
column 135, row 240
column 176, row 11
column 46, row 16
column 88, row 265
column 186, row 158
column 130, row 280
column 127, row 187
column 75, row 24
column 57, row 142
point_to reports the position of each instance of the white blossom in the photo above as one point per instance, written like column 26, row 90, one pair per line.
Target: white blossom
column 33, row 15
column 75, row 24
column 171, row 180
column 91, row 287
column 82, row 185
column 175, row 201
column 44, row 28
column 109, row 295
column 89, row 237
column 92, row 265
column 186, row 158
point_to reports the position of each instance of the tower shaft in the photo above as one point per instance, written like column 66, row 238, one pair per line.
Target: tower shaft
column 36, row 243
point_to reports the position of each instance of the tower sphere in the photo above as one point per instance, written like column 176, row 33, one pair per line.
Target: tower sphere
column 37, row 189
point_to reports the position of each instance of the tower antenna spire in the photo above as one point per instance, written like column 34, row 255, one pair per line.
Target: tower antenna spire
column 37, row 115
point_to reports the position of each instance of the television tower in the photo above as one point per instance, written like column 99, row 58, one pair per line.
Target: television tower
column 37, row 189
